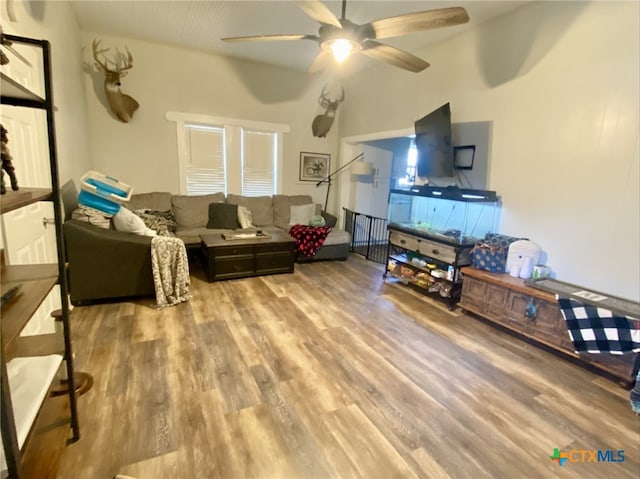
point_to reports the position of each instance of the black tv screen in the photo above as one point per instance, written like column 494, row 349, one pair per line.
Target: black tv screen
column 433, row 141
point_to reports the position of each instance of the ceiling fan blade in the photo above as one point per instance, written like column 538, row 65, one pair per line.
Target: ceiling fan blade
column 393, row 56
column 320, row 61
column 319, row 12
column 270, row 38
column 417, row 22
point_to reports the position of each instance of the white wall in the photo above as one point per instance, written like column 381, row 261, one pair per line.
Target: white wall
column 56, row 22
column 560, row 82
column 143, row 152
column 399, row 148
column 372, row 192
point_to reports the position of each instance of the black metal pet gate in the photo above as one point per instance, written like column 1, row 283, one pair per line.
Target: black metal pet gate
column 369, row 235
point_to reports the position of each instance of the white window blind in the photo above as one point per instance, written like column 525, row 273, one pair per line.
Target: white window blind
column 230, row 155
column 206, row 166
column 259, row 163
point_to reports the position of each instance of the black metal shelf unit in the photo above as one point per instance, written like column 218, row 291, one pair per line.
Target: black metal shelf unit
column 427, row 264
column 37, row 280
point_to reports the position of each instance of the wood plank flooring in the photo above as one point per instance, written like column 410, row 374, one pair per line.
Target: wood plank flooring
column 330, row 373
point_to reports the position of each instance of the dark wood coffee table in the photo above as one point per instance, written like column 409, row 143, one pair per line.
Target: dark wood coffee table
column 241, row 258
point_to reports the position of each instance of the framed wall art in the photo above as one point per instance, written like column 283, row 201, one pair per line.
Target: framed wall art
column 314, row 166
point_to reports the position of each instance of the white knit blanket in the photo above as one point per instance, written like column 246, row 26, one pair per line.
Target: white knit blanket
column 170, row 270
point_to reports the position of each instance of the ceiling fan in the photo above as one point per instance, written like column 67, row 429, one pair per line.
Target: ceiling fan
column 341, row 38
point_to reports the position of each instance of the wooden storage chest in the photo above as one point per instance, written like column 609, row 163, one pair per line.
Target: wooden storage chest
column 533, row 313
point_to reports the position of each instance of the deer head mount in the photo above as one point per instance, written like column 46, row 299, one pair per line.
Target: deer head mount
column 322, row 123
column 121, row 105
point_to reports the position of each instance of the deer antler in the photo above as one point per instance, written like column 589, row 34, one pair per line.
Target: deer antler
column 125, row 60
column 99, row 64
column 120, row 63
column 325, row 100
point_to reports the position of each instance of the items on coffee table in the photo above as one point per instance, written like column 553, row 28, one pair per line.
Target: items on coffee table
column 238, row 236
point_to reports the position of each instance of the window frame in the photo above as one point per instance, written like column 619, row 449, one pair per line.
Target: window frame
column 233, row 141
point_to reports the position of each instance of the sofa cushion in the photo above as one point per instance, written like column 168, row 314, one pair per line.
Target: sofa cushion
column 282, row 208
column 329, row 219
column 156, row 201
column 69, row 197
column 191, row 237
column 193, row 211
column 337, row 236
column 223, row 216
column 261, row 207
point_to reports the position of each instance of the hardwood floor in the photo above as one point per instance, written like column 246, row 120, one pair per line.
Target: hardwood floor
column 330, row 373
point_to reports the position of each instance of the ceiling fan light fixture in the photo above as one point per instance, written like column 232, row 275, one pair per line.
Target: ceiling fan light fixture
column 341, row 48
column 340, row 38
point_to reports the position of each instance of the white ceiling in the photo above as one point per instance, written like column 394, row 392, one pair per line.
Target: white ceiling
column 201, row 24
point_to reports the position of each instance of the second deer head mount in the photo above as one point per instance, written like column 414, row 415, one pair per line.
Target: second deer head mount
column 322, row 123
column 121, row 105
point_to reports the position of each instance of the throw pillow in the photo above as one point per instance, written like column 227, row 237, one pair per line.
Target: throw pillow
column 302, row 214
column 317, row 220
column 245, row 217
column 223, row 216
column 127, row 221
column 282, row 208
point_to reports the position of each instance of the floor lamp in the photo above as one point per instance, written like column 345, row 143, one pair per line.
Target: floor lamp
column 360, row 169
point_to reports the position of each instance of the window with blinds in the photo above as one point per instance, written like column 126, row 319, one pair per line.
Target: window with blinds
column 206, row 164
column 259, row 163
column 217, row 154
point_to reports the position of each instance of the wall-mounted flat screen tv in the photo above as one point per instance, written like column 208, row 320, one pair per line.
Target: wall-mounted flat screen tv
column 433, row 141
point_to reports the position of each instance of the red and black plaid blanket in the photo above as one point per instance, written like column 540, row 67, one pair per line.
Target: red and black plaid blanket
column 309, row 238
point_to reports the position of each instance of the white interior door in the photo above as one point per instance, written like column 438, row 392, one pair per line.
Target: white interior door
column 26, row 239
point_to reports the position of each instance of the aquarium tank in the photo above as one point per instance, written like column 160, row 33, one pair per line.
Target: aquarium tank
column 449, row 214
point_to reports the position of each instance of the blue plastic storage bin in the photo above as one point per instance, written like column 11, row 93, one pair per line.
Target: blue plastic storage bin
column 106, row 187
column 97, row 202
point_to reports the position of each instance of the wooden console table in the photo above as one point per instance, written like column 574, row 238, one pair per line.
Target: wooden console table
column 533, row 313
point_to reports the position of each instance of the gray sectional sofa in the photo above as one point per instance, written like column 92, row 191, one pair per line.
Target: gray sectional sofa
column 108, row 264
column 269, row 213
